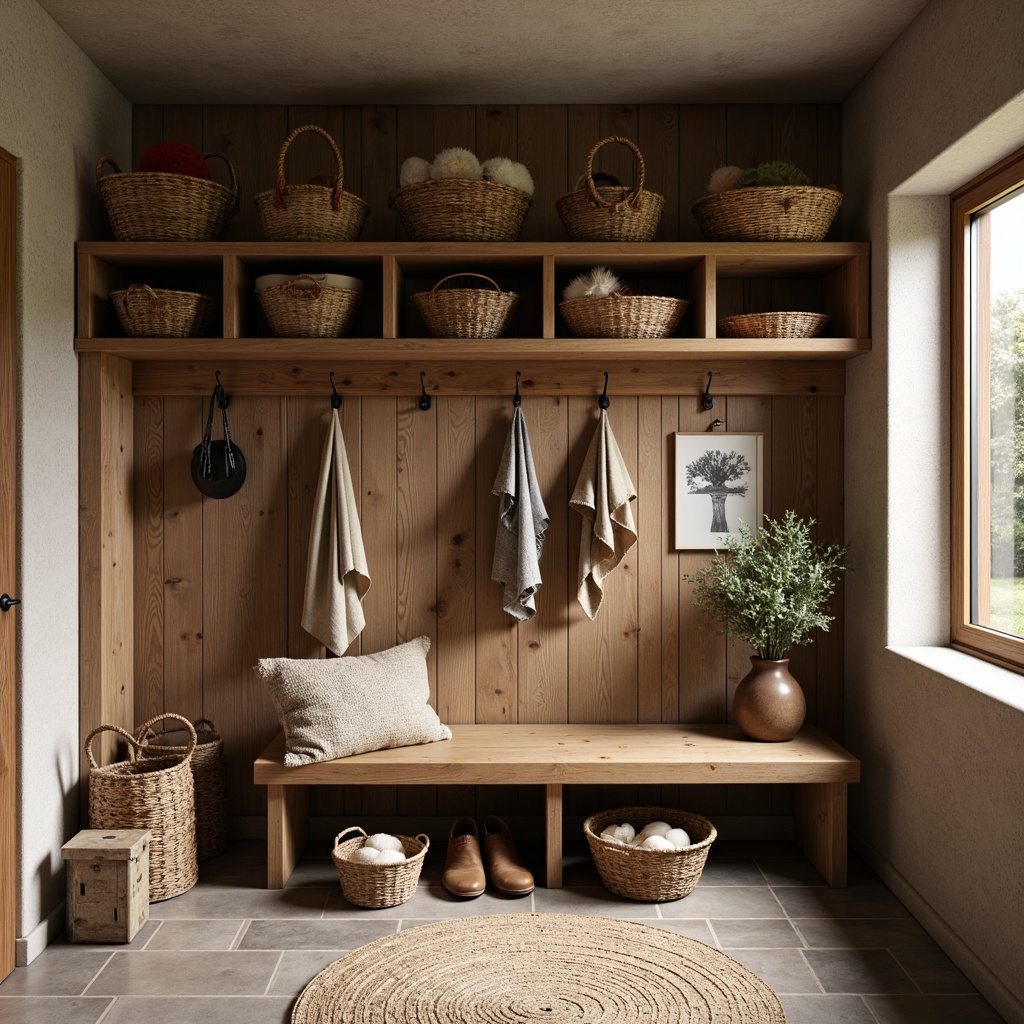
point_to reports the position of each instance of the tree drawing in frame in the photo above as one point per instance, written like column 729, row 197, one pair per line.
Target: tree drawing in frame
column 712, row 474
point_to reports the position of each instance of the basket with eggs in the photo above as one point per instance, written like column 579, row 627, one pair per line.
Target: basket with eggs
column 380, row 870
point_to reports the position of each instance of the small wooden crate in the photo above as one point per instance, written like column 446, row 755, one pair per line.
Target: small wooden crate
column 108, row 884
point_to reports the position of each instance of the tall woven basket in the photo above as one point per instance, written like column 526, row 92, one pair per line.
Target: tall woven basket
column 208, row 776
column 769, row 213
column 378, row 885
column 311, row 213
column 155, row 793
column 156, row 206
column 147, row 312
column 611, row 213
column 461, row 210
column 651, row 875
column 466, row 312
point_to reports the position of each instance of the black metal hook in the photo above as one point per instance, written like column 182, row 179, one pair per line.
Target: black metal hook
column 517, row 399
column 707, row 403
column 335, row 397
column 424, row 397
column 222, row 395
column 603, row 400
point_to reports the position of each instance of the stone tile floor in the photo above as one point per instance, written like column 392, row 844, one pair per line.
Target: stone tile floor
column 231, row 951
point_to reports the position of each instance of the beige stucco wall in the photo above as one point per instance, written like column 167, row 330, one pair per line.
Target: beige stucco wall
column 57, row 114
column 940, row 811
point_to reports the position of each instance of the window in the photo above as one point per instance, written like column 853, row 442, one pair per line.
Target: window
column 987, row 597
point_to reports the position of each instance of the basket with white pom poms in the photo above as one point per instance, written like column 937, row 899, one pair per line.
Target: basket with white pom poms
column 378, row 885
column 595, row 306
column 463, row 200
column 649, row 874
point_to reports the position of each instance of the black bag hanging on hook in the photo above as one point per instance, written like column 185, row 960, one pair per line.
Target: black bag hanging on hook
column 218, row 467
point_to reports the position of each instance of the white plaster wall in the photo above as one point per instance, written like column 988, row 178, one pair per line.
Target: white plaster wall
column 57, row 115
column 940, row 807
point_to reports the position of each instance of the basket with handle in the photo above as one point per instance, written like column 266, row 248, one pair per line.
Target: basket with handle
column 768, row 213
column 623, row 316
column 466, row 312
column 208, row 776
column 461, row 210
column 311, row 213
column 378, row 885
column 155, row 793
column 772, row 325
column 611, row 213
column 652, row 875
column 159, row 206
column 147, row 312
column 305, row 308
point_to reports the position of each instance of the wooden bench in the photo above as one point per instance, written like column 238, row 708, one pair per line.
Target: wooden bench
column 556, row 755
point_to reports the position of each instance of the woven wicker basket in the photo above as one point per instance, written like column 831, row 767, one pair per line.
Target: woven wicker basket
column 611, row 213
column 208, row 775
column 623, row 316
column 155, row 793
column 373, row 885
column 772, row 325
column 311, row 213
column 466, row 312
column 775, row 213
column 295, row 310
column 461, row 210
column 156, row 206
column 147, row 312
column 652, row 875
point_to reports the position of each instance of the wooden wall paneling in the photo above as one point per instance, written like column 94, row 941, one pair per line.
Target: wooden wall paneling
column 670, row 572
column 148, row 535
column 183, row 122
column 657, row 135
column 245, row 614
column 543, row 147
column 749, row 135
column 147, row 130
column 703, row 143
column 309, row 154
column 380, row 165
column 617, row 119
column 183, row 549
column 584, row 131
column 795, row 136
column 830, row 157
column 497, row 131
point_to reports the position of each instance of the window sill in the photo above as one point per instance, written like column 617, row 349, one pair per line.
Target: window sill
column 998, row 683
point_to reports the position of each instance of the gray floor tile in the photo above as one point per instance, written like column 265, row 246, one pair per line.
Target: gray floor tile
column 739, row 933
column 891, row 933
column 57, row 971
column 789, row 871
column 239, row 902
column 858, row 970
column 190, row 934
column 51, row 1010
column 341, row 933
column 694, row 929
column 825, row 1010
column 784, row 969
column 599, row 902
column 931, row 1009
column 725, row 901
column 172, row 973
column 854, row 902
column 216, row 1010
column 932, row 970
column 736, row 871
column 430, row 901
column 299, row 967
column 142, row 936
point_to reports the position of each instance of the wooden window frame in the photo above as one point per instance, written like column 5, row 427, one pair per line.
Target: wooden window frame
column 989, row 644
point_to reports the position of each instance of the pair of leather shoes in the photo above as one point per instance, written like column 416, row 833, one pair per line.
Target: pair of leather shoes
column 464, row 866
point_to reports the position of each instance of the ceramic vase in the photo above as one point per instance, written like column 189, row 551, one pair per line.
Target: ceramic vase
column 769, row 704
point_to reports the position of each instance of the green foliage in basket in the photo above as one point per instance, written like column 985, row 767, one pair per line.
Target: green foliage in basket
column 770, row 589
column 777, row 172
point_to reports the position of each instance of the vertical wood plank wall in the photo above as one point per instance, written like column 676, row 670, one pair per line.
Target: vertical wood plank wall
column 218, row 584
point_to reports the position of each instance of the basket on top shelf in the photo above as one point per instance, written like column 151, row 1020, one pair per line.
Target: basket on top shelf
column 466, row 312
column 313, row 212
column 378, row 885
column 147, row 312
column 772, row 325
column 310, row 306
column 461, row 210
column 652, row 875
column 611, row 213
column 161, row 206
column 623, row 316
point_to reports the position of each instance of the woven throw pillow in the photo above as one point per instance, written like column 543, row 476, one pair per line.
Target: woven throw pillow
column 339, row 706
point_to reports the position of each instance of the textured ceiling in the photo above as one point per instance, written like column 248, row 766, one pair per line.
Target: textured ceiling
column 458, row 51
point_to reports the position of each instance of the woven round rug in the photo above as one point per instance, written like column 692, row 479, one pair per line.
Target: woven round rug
column 521, row 968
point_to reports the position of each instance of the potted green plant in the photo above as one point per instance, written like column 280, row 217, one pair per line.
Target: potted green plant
column 770, row 590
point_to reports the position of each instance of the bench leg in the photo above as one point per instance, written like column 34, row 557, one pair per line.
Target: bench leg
column 553, row 833
column 287, row 831
column 820, row 810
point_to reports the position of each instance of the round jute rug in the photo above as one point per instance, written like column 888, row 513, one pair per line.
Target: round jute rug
column 518, row 968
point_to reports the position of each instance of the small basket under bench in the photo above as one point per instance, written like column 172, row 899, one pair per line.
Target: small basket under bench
column 556, row 755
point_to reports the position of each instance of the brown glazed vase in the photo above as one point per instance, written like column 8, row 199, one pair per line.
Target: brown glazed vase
column 769, row 704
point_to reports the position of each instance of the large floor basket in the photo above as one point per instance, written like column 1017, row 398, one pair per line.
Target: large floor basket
column 378, row 885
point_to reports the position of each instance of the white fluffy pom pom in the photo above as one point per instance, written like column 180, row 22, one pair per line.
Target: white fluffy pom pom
column 724, row 178
column 456, row 163
column 678, row 837
column 619, row 833
column 656, row 843
column 383, row 841
column 596, row 283
column 414, row 170
column 390, row 857
column 366, row 855
column 508, row 172
column 656, row 828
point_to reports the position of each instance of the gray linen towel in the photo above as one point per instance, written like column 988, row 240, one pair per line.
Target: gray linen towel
column 602, row 496
column 336, row 575
column 522, row 523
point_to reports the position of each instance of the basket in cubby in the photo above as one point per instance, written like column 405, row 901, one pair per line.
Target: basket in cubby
column 651, row 875
column 378, row 885
column 623, row 316
column 768, row 213
column 311, row 213
column 158, row 206
column 611, row 213
column 772, row 325
column 466, row 312
column 305, row 308
column 461, row 210
column 147, row 312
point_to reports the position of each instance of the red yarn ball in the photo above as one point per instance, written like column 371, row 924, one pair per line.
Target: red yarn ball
column 174, row 158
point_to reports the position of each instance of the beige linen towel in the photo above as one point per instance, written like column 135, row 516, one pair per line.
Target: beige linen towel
column 522, row 523
column 336, row 575
column 602, row 496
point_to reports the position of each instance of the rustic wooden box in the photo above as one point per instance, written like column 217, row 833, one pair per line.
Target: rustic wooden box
column 108, row 884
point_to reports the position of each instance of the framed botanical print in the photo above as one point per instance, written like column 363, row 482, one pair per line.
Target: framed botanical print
column 719, row 484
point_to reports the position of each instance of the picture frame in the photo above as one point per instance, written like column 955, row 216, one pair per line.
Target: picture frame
column 719, row 483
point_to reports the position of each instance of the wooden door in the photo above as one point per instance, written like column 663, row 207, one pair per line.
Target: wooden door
column 8, row 565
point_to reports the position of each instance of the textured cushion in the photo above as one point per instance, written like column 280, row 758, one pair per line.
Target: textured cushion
column 339, row 706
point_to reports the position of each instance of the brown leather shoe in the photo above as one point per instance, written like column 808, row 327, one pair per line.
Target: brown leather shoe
column 508, row 873
column 463, row 867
